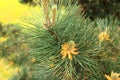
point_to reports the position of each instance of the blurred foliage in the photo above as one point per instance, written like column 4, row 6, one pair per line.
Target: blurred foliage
column 30, row 2
column 6, row 70
column 93, row 8
column 26, row 1
column 15, row 40
column 13, row 50
column 101, row 8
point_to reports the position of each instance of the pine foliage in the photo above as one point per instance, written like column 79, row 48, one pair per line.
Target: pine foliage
column 66, row 45
column 51, row 29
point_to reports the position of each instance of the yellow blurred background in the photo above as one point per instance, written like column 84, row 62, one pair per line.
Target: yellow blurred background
column 11, row 10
